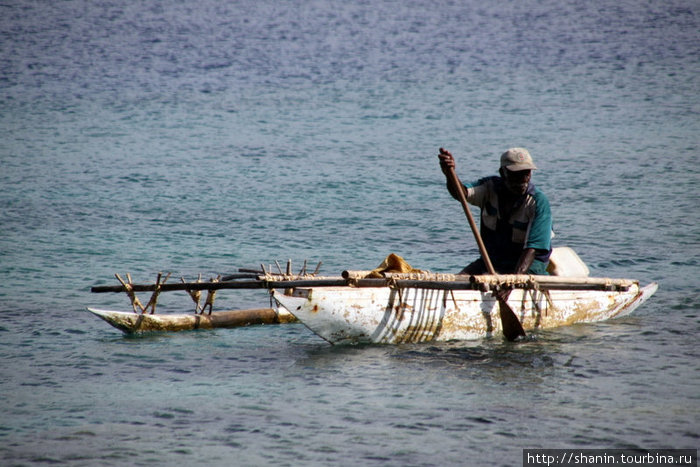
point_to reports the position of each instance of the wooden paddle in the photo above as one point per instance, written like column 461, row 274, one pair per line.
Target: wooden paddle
column 512, row 328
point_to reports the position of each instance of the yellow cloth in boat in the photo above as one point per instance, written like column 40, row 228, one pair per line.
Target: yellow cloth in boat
column 392, row 263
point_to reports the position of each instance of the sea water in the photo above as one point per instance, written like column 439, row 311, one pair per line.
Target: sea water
column 202, row 137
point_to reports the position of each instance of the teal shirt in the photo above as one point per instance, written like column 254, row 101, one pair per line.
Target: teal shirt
column 529, row 224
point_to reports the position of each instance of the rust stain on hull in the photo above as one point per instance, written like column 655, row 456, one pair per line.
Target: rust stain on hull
column 385, row 315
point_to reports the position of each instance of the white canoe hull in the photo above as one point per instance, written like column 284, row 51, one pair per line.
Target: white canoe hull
column 349, row 315
column 130, row 322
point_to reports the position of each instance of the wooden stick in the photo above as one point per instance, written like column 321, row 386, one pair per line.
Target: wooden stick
column 135, row 302
column 211, row 296
column 461, row 282
column 153, row 302
column 195, row 294
column 475, row 230
column 512, row 327
column 548, row 281
column 425, row 275
column 252, row 271
column 243, row 284
column 249, row 275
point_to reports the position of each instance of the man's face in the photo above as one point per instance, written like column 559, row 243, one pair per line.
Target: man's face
column 516, row 182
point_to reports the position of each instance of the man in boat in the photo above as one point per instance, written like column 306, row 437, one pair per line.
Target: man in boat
column 516, row 220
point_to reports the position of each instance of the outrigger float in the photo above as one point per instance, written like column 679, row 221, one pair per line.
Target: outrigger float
column 144, row 319
column 134, row 323
column 394, row 305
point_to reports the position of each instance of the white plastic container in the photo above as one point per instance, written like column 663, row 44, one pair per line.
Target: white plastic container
column 566, row 263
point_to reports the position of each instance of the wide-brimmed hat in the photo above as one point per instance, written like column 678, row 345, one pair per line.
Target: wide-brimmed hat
column 516, row 159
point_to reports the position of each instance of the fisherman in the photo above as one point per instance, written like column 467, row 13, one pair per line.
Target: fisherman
column 516, row 221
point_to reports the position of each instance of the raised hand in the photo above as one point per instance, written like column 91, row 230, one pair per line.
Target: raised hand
column 447, row 161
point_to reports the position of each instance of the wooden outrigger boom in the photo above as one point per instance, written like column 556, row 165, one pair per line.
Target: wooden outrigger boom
column 429, row 281
column 234, row 284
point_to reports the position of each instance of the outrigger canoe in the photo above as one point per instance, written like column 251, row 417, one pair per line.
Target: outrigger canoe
column 459, row 308
column 389, row 307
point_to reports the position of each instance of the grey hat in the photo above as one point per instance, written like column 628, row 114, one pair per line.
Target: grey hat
column 516, row 159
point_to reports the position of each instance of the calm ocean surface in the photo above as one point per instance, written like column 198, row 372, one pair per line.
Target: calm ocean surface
column 200, row 137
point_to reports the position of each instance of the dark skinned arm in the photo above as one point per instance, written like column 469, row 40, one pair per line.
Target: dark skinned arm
column 447, row 161
column 525, row 261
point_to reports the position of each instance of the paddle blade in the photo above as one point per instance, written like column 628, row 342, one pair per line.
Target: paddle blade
column 512, row 328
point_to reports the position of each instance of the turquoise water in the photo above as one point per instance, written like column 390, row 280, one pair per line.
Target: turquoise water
column 202, row 138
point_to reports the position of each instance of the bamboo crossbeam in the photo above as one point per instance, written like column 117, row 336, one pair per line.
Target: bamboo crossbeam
column 548, row 282
column 426, row 276
column 249, row 275
column 445, row 282
column 241, row 284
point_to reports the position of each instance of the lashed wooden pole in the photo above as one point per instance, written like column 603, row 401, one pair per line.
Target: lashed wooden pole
column 482, row 282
